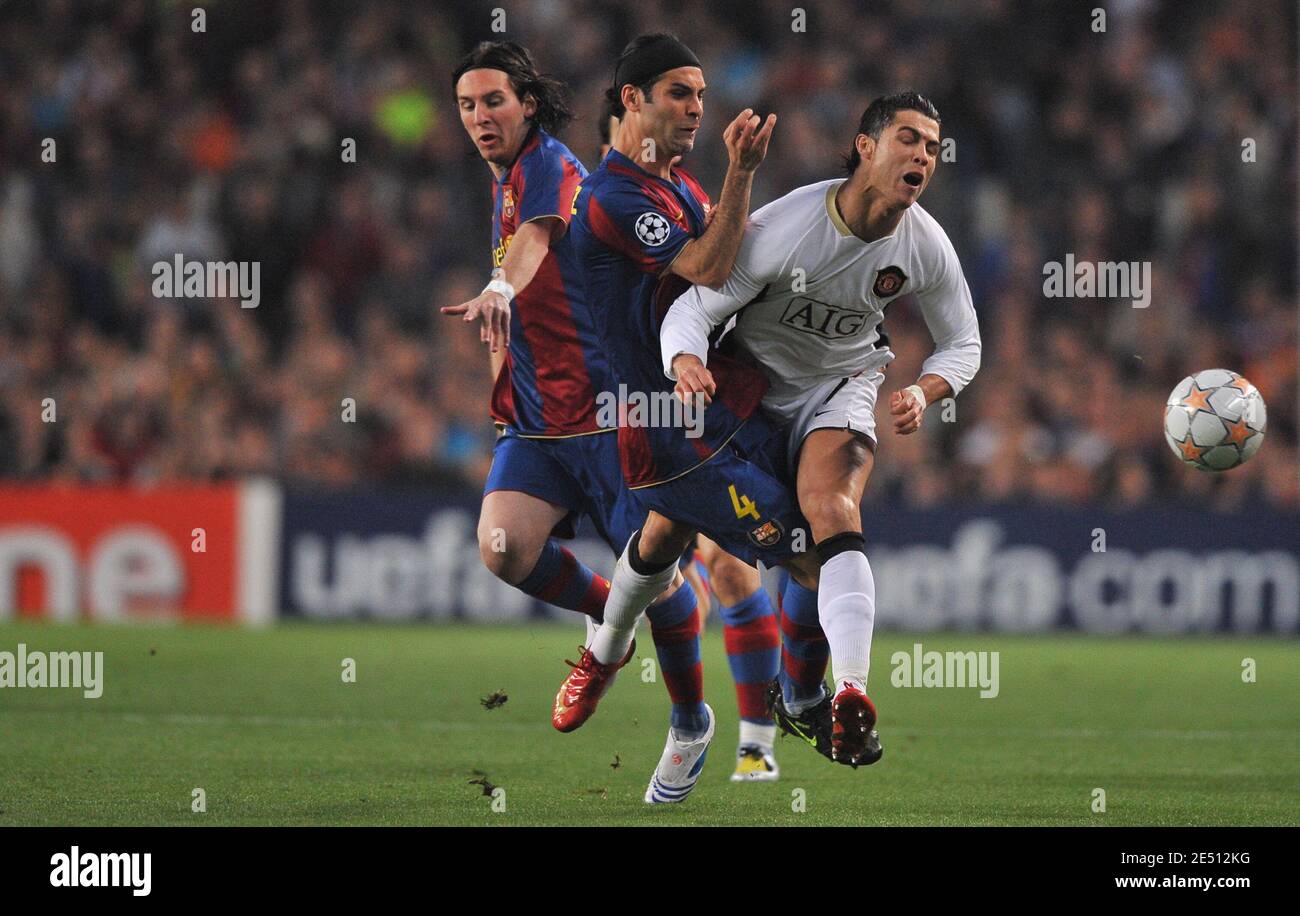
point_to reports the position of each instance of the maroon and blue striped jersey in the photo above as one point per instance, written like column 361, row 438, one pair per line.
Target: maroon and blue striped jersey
column 628, row 226
column 554, row 365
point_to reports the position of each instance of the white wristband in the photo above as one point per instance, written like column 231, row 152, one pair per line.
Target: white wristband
column 499, row 285
column 920, row 395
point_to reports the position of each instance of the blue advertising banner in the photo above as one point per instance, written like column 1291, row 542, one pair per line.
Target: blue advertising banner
column 402, row 555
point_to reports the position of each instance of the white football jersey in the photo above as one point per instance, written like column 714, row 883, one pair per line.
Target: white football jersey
column 810, row 297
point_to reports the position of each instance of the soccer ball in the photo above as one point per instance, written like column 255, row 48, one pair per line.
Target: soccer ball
column 1214, row 420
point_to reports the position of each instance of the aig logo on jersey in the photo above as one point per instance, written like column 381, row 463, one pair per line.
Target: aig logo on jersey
column 829, row 321
column 652, row 228
column 889, row 282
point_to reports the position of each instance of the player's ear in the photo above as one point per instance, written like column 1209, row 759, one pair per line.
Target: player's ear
column 866, row 146
column 630, row 96
column 530, row 105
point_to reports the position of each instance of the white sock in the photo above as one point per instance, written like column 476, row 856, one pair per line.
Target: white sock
column 630, row 593
column 846, row 608
column 752, row 734
column 591, row 630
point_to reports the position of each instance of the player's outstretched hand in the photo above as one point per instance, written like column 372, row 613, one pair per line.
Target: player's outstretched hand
column 692, row 378
column 746, row 140
column 494, row 310
column 906, row 411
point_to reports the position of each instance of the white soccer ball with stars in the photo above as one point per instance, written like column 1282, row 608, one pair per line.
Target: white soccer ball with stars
column 1214, row 420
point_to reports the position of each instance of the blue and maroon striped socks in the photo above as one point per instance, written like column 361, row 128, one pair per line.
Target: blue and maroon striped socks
column 559, row 579
column 754, row 653
column 675, row 627
column 804, row 650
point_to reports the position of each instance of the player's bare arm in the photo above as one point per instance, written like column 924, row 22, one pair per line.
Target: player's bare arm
column 908, row 405
column 492, row 306
column 708, row 259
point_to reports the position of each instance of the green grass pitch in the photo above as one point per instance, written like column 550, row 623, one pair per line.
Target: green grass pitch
column 263, row 723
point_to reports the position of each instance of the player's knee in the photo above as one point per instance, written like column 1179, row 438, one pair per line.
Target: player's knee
column 731, row 579
column 830, row 513
column 506, row 558
column 662, row 541
column 494, row 555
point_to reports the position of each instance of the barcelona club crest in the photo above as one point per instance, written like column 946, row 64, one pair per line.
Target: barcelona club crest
column 766, row 534
column 509, row 204
column 889, row 282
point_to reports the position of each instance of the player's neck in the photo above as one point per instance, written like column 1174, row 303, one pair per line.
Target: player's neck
column 866, row 212
column 631, row 142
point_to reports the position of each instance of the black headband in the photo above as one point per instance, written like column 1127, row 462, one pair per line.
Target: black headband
column 659, row 56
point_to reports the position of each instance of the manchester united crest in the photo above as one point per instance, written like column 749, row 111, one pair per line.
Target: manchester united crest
column 889, row 282
column 766, row 534
column 508, row 205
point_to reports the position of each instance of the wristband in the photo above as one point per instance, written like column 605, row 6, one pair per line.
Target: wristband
column 920, row 395
column 499, row 285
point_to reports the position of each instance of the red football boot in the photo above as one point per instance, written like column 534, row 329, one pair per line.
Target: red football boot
column 854, row 740
column 583, row 688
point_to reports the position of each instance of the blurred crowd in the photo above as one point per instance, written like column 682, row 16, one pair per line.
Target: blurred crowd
column 126, row 137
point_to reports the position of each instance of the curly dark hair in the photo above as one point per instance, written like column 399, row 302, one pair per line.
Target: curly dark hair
column 551, row 95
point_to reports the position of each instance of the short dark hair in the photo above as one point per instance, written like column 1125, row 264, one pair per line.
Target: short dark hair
column 614, row 94
column 880, row 114
column 525, row 79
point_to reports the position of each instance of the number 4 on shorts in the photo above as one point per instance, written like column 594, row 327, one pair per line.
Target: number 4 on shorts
column 742, row 504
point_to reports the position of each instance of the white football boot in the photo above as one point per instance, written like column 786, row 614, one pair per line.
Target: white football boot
column 679, row 767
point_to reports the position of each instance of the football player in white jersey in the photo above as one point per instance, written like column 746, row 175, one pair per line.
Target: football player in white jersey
column 816, row 270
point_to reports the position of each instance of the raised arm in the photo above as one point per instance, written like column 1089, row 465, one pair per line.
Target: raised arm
column 707, row 260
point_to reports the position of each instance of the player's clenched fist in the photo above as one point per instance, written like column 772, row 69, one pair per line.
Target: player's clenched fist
column 746, row 140
column 906, row 407
column 494, row 309
column 692, row 378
